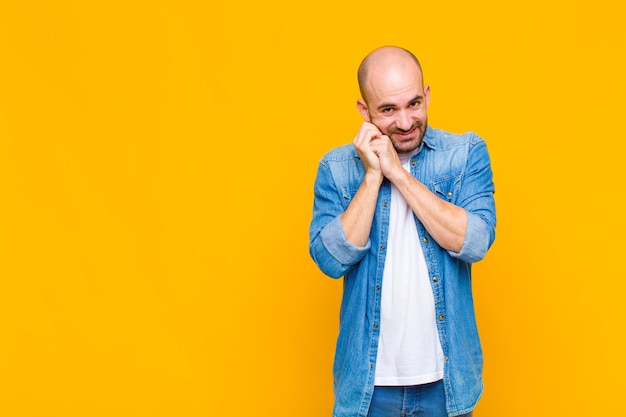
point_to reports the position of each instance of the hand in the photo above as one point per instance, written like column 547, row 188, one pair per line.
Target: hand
column 388, row 159
column 363, row 144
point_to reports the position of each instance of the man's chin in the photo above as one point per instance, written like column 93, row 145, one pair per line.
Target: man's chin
column 406, row 145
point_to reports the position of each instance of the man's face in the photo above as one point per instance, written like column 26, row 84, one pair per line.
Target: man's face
column 396, row 103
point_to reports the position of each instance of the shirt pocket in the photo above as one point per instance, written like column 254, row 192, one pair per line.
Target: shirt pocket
column 447, row 188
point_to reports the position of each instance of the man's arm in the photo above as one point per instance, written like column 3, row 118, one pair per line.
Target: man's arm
column 340, row 238
column 358, row 217
column 467, row 229
column 445, row 221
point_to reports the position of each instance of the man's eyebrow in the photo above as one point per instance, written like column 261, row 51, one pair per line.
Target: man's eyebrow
column 387, row 105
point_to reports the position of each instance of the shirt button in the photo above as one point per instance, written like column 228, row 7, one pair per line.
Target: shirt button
column 425, row 240
column 449, row 193
column 377, row 287
column 446, row 358
column 441, row 318
column 376, row 325
column 382, row 247
column 435, row 279
column 413, row 163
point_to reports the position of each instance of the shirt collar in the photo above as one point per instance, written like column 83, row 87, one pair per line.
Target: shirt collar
column 429, row 138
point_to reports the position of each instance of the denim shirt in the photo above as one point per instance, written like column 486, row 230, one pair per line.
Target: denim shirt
column 457, row 169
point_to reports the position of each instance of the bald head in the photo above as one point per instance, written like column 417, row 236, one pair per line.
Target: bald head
column 383, row 58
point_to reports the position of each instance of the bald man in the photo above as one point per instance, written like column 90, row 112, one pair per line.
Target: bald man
column 401, row 214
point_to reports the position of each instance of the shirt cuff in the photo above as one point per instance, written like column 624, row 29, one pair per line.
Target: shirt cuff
column 335, row 241
column 476, row 241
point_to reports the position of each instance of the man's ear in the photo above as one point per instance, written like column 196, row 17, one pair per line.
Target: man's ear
column 427, row 94
column 362, row 106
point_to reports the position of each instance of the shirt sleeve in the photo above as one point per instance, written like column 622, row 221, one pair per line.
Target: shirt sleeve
column 328, row 245
column 477, row 190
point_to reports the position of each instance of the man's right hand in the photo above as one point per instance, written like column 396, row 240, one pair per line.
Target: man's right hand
column 362, row 143
column 357, row 219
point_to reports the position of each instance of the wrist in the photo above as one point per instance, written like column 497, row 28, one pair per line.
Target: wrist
column 373, row 178
column 399, row 176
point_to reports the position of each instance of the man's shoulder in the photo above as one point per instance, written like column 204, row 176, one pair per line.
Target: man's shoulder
column 341, row 153
column 440, row 139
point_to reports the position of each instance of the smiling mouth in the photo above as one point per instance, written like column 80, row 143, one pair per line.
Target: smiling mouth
column 406, row 134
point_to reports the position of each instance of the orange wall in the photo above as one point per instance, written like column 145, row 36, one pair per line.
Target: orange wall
column 156, row 169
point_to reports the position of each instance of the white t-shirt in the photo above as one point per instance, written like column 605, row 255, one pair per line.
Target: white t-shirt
column 409, row 350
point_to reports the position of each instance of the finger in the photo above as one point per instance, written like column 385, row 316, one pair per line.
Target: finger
column 377, row 146
column 365, row 135
column 372, row 126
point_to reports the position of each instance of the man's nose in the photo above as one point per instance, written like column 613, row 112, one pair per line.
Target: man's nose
column 404, row 122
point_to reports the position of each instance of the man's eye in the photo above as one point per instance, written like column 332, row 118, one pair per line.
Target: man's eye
column 387, row 110
column 414, row 103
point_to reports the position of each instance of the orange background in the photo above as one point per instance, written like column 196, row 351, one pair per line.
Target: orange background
column 157, row 160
